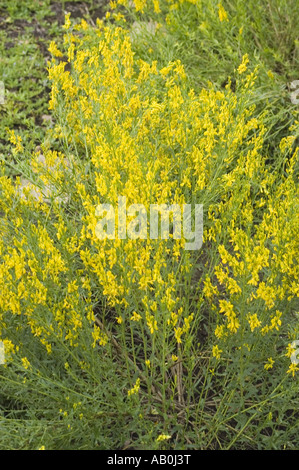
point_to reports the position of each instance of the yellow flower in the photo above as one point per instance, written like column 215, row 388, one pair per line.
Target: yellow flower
column 25, row 362
column 269, row 364
column 178, row 333
column 275, row 321
column 219, row 331
column 54, row 50
column 163, row 437
column 156, row 6
column 135, row 389
column 253, row 321
column 222, row 13
column 243, row 66
column 290, row 350
column 136, row 316
column 292, row 369
column 216, row 352
column 270, row 74
column 17, row 141
column 209, row 290
column 67, row 23
column 268, row 293
column 152, row 323
column 140, row 5
column 233, row 323
column 226, row 307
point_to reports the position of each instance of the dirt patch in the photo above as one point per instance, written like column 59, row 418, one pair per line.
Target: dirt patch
column 78, row 10
column 14, row 30
column 99, row 11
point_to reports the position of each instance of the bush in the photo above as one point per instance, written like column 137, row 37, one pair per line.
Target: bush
column 138, row 341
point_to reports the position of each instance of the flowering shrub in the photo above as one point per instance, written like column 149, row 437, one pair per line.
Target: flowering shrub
column 174, row 321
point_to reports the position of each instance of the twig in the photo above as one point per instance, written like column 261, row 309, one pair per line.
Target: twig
column 119, row 348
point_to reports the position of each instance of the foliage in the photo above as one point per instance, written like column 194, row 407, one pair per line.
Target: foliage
column 135, row 342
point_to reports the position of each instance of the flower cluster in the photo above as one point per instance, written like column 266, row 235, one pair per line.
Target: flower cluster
column 132, row 128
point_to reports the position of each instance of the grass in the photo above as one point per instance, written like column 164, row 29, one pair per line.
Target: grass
column 142, row 344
